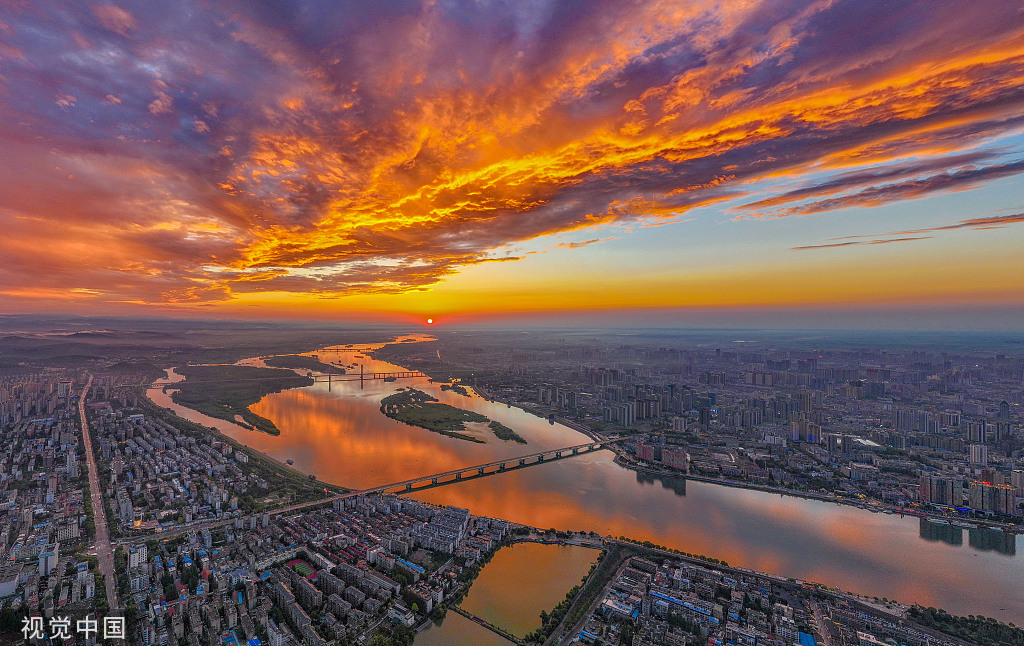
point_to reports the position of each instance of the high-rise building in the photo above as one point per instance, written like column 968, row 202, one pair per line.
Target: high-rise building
column 974, row 430
column 979, row 454
column 676, row 458
column 1004, row 410
column 137, row 555
column 985, row 496
column 48, row 559
column 942, row 490
column 1001, row 430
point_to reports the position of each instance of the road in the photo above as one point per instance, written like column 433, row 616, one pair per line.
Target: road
column 824, row 624
column 104, row 551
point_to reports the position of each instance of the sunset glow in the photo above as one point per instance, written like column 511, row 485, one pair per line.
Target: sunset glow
column 465, row 160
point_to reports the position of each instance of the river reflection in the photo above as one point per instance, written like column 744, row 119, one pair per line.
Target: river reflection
column 941, row 532
column 340, row 436
column 983, row 538
column 456, row 630
column 524, row 579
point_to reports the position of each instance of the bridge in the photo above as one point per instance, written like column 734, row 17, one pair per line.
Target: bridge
column 323, row 377
column 488, row 625
column 482, row 470
column 408, row 486
column 369, row 376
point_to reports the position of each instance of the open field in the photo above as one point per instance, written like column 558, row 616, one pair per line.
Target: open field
column 212, row 391
column 302, row 362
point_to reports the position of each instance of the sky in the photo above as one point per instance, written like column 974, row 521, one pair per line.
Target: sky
column 850, row 163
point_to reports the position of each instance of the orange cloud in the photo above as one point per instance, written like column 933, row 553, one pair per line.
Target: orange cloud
column 273, row 150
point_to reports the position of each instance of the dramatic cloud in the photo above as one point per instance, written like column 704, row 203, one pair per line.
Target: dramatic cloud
column 960, row 180
column 871, row 176
column 189, row 152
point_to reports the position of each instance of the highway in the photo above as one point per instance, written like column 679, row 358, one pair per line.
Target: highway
column 104, row 550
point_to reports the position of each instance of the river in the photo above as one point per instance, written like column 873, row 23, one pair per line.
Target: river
column 512, row 590
column 338, row 433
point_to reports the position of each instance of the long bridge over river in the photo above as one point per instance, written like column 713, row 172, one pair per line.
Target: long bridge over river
column 420, row 483
column 325, row 377
column 481, row 470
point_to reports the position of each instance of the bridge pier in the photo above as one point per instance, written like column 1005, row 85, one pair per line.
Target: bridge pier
column 522, row 462
column 540, row 458
column 501, row 467
column 408, row 487
column 558, row 454
column 576, row 451
column 458, row 476
column 433, row 481
column 480, row 471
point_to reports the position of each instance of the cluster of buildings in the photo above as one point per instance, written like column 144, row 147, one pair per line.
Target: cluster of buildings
column 674, row 602
column 158, row 476
column 45, row 525
column 322, row 576
column 30, row 397
column 854, row 423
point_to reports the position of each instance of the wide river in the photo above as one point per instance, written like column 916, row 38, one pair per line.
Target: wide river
column 338, row 433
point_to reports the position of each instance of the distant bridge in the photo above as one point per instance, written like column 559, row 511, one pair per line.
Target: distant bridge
column 323, row 377
column 411, row 485
column 369, row 376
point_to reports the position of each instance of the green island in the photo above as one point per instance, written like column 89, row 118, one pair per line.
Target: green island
column 505, row 433
column 456, row 388
column 417, row 408
column 227, row 391
column 301, row 362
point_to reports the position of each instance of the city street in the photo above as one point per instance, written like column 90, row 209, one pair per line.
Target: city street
column 104, row 550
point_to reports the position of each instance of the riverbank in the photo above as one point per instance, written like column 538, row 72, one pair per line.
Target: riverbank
column 283, row 477
column 875, row 506
column 227, row 391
